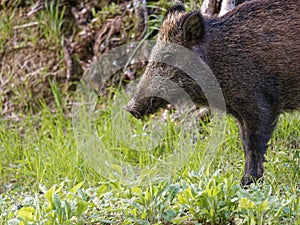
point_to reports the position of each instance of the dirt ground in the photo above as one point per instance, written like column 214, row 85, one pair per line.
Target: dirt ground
column 31, row 61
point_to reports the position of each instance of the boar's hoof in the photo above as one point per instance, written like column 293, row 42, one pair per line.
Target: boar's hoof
column 247, row 180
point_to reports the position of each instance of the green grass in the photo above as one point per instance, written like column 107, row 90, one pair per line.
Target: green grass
column 6, row 23
column 45, row 179
column 51, row 23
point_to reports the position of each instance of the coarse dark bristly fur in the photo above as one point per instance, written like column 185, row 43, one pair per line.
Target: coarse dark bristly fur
column 254, row 52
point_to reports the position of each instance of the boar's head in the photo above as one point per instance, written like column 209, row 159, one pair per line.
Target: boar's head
column 163, row 82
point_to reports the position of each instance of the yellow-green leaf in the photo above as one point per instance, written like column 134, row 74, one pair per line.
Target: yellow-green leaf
column 49, row 195
column 182, row 199
column 245, row 203
column 102, row 190
column 75, row 188
column 27, row 213
column 81, row 207
column 264, row 206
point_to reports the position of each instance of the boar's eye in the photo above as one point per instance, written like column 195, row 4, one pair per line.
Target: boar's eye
column 169, row 58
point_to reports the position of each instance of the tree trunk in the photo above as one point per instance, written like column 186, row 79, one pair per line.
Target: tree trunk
column 219, row 7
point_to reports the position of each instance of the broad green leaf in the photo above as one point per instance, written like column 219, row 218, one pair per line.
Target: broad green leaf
column 27, row 213
column 49, row 195
column 81, row 207
column 245, row 203
column 182, row 199
column 102, row 190
column 75, row 188
column 263, row 206
column 180, row 220
column 68, row 210
column 56, row 201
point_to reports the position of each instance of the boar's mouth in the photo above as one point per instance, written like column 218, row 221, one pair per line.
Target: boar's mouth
column 136, row 114
column 145, row 106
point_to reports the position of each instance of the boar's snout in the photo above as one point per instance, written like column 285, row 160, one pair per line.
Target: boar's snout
column 133, row 111
column 141, row 107
column 133, row 108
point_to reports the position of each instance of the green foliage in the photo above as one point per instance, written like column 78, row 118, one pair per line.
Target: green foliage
column 197, row 199
column 54, row 206
column 6, row 25
column 51, row 22
column 44, row 154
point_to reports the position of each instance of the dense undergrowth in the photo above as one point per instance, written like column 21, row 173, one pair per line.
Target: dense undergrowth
column 45, row 179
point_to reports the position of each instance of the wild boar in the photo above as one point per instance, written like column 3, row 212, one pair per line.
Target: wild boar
column 254, row 53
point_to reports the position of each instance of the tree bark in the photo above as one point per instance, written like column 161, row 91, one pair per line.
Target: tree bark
column 141, row 13
column 219, row 7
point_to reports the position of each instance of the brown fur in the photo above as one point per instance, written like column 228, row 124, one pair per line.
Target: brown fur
column 254, row 52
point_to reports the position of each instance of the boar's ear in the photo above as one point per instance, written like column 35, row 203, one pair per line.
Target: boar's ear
column 179, row 7
column 193, row 27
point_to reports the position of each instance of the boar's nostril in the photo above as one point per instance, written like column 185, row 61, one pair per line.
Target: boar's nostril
column 133, row 112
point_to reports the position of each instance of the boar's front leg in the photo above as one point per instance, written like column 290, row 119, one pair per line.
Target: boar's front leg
column 255, row 134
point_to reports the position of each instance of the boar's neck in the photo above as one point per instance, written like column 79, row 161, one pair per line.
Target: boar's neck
column 213, row 49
